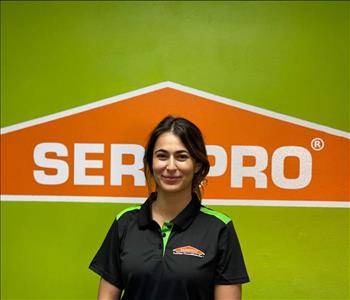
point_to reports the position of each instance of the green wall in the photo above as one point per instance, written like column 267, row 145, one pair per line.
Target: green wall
column 289, row 57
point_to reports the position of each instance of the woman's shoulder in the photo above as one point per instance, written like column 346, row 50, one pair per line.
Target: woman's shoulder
column 216, row 215
column 129, row 211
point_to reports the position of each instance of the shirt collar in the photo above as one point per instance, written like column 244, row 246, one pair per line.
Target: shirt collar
column 181, row 221
column 145, row 214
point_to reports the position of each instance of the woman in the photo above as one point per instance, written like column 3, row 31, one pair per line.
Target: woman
column 172, row 247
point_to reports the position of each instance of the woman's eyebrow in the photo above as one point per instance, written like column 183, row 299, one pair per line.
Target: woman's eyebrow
column 176, row 152
column 182, row 151
column 160, row 150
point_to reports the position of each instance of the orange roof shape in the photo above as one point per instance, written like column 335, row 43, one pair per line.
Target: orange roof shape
column 188, row 250
column 95, row 151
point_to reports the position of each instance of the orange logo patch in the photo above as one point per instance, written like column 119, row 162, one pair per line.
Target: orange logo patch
column 188, row 250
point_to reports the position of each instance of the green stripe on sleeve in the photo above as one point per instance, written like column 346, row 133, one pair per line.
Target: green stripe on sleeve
column 216, row 214
column 126, row 210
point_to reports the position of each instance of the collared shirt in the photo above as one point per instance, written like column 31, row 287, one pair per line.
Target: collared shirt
column 183, row 259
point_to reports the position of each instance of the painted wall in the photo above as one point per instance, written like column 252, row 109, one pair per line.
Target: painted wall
column 289, row 57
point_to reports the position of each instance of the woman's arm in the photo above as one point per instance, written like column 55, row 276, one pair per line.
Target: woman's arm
column 108, row 291
column 228, row 292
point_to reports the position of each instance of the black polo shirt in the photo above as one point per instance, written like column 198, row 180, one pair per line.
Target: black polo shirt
column 184, row 259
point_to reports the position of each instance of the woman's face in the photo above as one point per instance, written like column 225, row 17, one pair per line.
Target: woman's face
column 173, row 166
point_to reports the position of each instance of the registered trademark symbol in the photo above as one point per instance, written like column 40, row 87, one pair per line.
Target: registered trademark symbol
column 317, row 144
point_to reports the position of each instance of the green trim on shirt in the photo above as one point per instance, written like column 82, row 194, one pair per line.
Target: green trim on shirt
column 216, row 214
column 126, row 210
column 166, row 230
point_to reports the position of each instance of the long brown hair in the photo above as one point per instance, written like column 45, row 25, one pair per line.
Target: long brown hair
column 191, row 137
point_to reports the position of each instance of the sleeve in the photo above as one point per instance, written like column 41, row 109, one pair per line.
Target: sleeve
column 106, row 262
column 230, row 267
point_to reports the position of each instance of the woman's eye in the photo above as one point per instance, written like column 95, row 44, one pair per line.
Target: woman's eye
column 161, row 156
column 182, row 157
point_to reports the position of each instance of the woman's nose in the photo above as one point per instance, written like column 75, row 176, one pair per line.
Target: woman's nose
column 171, row 164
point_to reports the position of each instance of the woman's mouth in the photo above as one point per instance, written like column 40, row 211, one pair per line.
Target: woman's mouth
column 171, row 179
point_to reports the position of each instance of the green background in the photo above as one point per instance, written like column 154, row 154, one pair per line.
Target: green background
column 289, row 57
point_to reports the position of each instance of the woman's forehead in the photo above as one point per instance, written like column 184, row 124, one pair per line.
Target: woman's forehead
column 169, row 142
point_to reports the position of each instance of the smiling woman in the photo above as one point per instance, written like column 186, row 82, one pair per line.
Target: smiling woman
column 172, row 247
column 186, row 141
column 173, row 167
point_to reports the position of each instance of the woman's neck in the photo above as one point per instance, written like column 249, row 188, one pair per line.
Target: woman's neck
column 169, row 205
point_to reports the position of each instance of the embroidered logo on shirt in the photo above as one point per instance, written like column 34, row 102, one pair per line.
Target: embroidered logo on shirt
column 188, row 250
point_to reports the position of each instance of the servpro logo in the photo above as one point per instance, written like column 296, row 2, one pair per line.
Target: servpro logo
column 188, row 250
column 94, row 152
column 117, row 169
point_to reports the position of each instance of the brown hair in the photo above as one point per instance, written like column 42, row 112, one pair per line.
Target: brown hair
column 191, row 137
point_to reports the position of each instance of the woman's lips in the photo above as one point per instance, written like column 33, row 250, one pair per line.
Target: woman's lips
column 171, row 179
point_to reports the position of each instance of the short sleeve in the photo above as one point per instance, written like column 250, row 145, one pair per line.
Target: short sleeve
column 230, row 263
column 106, row 262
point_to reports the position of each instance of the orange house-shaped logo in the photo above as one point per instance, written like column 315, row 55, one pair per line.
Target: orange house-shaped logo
column 94, row 152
